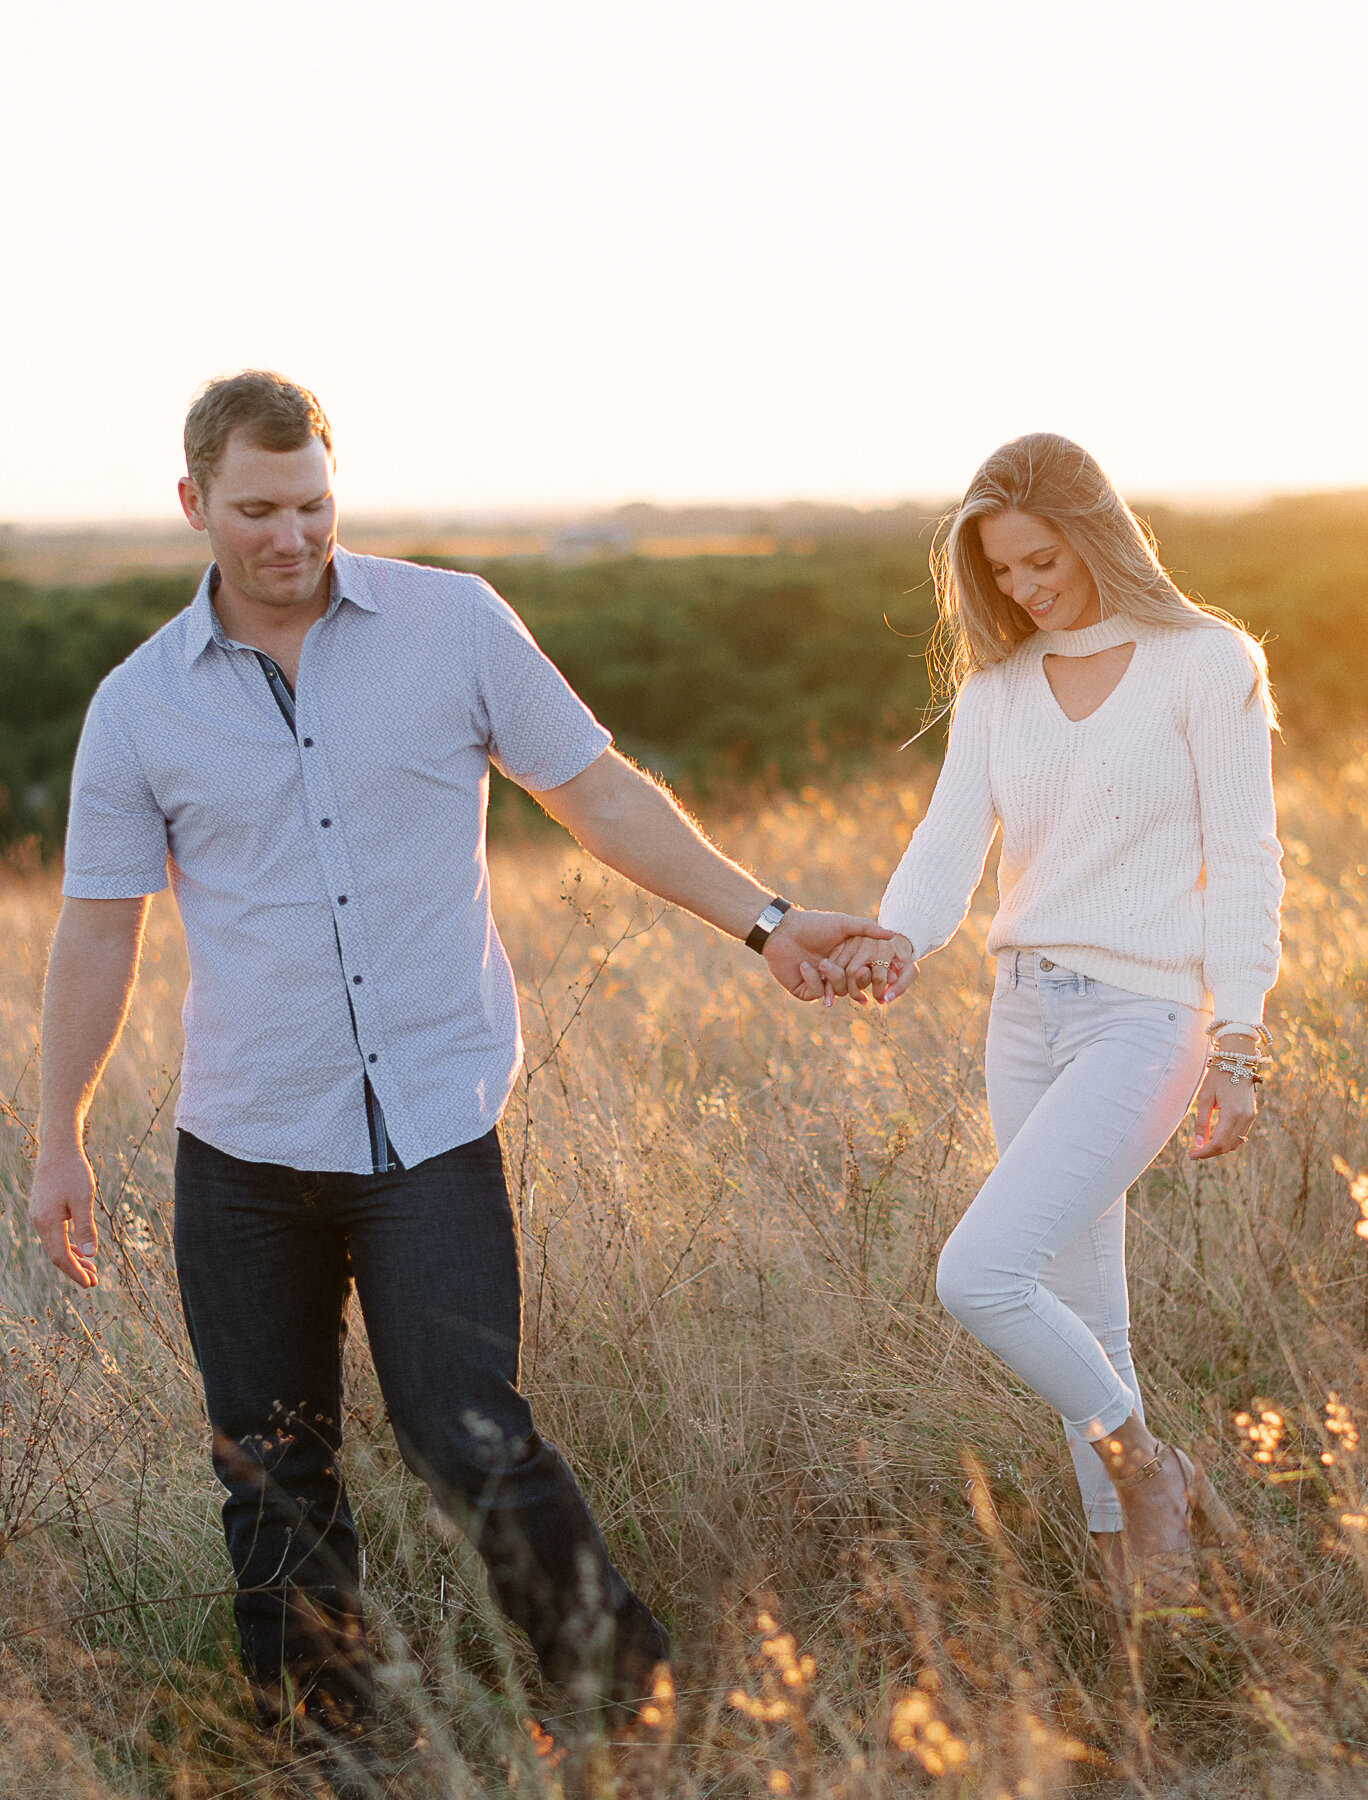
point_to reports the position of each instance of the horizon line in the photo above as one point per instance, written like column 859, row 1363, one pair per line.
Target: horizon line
column 1191, row 499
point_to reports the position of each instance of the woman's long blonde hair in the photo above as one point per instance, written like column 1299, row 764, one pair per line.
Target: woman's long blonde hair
column 1056, row 480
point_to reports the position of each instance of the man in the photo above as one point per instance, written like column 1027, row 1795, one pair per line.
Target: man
column 307, row 745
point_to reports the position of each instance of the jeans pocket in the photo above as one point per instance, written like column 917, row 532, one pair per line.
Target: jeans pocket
column 1166, row 1023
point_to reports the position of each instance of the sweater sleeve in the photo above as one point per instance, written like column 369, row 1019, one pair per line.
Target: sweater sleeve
column 931, row 888
column 1231, row 747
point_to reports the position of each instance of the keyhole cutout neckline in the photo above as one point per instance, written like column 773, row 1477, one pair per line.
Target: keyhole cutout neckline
column 1086, row 672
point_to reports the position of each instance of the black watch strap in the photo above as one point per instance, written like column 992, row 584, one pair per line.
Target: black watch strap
column 759, row 933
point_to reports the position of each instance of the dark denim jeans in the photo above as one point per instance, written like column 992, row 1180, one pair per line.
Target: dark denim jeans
column 266, row 1257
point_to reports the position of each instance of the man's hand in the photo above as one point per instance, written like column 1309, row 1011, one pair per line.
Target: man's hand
column 801, row 942
column 62, row 1212
column 1225, row 1109
column 90, row 977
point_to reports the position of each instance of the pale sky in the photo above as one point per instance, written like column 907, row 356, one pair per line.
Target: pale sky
column 545, row 252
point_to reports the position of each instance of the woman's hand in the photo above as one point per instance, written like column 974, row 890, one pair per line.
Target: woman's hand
column 801, row 939
column 863, row 966
column 1226, row 1109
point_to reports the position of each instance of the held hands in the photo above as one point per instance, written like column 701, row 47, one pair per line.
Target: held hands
column 62, row 1212
column 801, row 943
column 880, row 966
column 1225, row 1108
column 817, row 955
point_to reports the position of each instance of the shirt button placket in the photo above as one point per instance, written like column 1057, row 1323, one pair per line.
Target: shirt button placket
column 325, row 808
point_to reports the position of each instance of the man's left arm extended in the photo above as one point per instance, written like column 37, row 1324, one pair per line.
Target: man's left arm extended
column 630, row 822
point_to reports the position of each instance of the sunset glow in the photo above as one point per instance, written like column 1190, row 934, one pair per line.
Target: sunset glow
column 539, row 254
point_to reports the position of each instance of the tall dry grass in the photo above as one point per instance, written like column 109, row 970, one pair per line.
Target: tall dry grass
column 859, row 1527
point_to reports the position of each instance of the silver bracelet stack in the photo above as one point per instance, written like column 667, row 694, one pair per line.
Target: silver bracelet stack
column 1239, row 1064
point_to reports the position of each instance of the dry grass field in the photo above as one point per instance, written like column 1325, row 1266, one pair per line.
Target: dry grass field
column 860, row 1529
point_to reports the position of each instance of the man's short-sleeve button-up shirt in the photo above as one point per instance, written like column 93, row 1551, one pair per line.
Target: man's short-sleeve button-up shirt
column 332, row 880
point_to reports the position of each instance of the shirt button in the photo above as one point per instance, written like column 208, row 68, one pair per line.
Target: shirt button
column 341, row 899
column 357, row 980
column 308, row 743
column 1045, row 963
column 372, row 1057
column 325, row 823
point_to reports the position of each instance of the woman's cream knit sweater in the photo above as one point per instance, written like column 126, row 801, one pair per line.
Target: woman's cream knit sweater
column 1138, row 845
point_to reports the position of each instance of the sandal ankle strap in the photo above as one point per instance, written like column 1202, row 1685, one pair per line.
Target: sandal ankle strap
column 1145, row 1472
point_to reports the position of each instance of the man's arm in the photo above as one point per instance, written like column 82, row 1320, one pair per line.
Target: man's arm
column 90, row 976
column 630, row 823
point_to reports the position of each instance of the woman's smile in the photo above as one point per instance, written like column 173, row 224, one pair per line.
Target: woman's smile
column 1037, row 568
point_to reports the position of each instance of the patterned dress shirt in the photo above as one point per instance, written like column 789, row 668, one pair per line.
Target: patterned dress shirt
column 349, row 997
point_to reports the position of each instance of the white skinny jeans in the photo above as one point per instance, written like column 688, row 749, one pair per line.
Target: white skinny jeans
column 1086, row 1084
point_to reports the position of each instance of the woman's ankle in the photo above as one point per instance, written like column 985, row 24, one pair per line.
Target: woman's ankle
column 1131, row 1453
column 1140, row 1474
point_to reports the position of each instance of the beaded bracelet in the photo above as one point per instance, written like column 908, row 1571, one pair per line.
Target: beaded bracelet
column 1229, row 1027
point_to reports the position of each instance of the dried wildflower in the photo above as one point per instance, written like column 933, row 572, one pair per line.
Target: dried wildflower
column 133, row 1230
column 1358, row 1191
column 764, row 1712
column 1265, row 1432
column 1340, row 1424
column 914, row 1727
column 549, row 1752
column 658, row 1712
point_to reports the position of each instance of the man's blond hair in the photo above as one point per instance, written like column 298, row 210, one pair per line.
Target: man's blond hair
column 273, row 413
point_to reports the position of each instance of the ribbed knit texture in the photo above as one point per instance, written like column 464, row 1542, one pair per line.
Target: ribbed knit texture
column 1139, row 844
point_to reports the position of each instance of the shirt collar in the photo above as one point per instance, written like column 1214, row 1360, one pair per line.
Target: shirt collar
column 346, row 578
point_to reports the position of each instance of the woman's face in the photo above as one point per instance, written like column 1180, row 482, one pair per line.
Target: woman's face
column 1039, row 571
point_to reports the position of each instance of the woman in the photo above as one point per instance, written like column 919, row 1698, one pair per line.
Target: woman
column 1119, row 735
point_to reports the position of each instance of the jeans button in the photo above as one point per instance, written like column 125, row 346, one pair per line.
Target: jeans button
column 1046, row 964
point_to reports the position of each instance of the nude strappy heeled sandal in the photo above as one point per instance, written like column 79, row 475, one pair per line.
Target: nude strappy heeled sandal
column 1166, row 1580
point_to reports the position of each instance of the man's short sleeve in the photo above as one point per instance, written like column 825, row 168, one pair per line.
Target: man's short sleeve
column 116, row 834
column 540, row 733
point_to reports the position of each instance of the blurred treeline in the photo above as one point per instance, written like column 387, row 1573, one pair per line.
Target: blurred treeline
column 725, row 669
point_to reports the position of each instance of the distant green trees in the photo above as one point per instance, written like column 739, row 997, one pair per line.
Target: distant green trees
column 1296, row 572
column 705, row 668
column 716, row 667
column 56, row 645
column 713, row 669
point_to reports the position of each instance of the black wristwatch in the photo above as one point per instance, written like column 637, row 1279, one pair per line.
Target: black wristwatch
column 759, row 934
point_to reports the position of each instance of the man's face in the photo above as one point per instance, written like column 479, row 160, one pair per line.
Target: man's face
column 271, row 519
